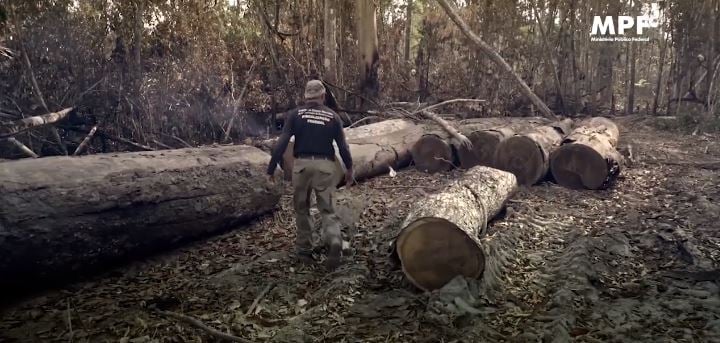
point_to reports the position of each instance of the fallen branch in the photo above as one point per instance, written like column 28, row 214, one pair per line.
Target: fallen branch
column 126, row 142
column 23, row 147
column 362, row 120
column 161, row 144
column 179, row 140
column 258, row 298
column 440, row 104
column 455, row 134
column 25, row 124
column 496, row 58
column 85, row 141
column 200, row 325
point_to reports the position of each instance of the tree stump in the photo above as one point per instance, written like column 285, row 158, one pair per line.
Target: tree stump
column 440, row 238
column 588, row 157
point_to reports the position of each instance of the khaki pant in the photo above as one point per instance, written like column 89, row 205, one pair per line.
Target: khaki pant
column 322, row 177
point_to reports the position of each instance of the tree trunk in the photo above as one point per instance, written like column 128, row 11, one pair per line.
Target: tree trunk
column 374, row 153
column 438, row 151
column 440, row 238
column 330, row 41
column 661, row 67
column 486, row 141
column 408, row 29
column 630, row 105
column 433, row 153
column 528, row 155
column 67, row 215
column 587, row 157
column 495, row 57
column 368, row 47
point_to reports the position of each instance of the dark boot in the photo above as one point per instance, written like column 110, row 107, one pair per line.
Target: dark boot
column 334, row 254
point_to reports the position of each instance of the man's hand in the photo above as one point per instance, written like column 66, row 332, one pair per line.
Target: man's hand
column 349, row 177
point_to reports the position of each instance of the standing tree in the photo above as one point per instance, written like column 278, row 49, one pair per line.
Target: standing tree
column 368, row 47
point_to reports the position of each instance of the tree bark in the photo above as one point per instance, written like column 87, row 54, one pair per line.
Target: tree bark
column 330, row 41
column 440, row 238
column 661, row 67
column 528, row 155
column 375, row 154
column 587, row 157
column 68, row 215
column 368, row 47
column 630, row 105
column 408, row 29
column 495, row 57
column 486, row 140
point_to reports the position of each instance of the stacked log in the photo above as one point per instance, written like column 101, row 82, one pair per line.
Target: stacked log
column 527, row 155
column 588, row 157
column 438, row 151
column 485, row 141
column 440, row 238
column 375, row 154
column 64, row 215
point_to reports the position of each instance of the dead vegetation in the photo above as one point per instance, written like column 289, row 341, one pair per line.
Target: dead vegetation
column 637, row 262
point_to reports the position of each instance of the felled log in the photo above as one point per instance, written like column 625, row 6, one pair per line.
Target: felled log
column 67, row 215
column 374, row 155
column 440, row 238
column 528, row 155
column 357, row 133
column 439, row 151
column 25, row 124
column 486, row 140
column 433, row 153
column 588, row 157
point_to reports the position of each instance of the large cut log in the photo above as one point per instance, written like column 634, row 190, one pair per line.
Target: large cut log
column 358, row 133
column 63, row 215
column 439, row 151
column 588, row 157
column 374, row 155
column 433, row 153
column 528, row 155
column 485, row 141
column 440, row 238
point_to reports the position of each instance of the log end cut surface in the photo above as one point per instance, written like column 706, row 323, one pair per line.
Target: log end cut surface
column 482, row 153
column 523, row 157
column 433, row 251
column 432, row 154
column 579, row 166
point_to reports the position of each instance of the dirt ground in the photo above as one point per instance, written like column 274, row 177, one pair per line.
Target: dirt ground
column 635, row 263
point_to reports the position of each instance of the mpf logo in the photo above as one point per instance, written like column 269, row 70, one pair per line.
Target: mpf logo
column 614, row 28
column 623, row 23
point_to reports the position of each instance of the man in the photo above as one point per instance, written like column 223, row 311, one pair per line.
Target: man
column 315, row 127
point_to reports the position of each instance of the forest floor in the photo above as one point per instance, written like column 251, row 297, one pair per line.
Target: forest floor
column 637, row 262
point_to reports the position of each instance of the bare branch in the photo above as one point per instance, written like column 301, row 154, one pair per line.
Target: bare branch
column 85, row 141
column 200, row 325
column 25, row 124
column 23, row 147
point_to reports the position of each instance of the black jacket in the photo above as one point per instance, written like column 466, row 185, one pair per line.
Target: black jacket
column 315, row 127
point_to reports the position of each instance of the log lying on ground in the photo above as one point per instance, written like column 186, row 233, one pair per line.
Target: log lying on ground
column 485, row 141
column 588, row 157
column 62, row 215
column 357, row 133
column 440, row 238
column 433, row 153
column 373, row 155
column 528, row 155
